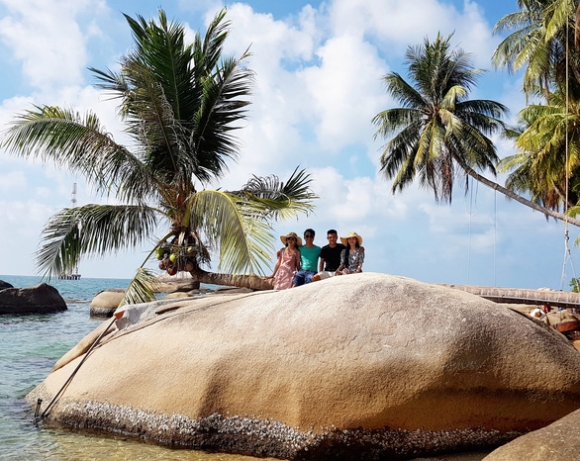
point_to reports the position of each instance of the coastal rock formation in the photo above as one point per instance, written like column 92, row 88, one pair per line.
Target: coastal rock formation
column 557, row 442
column 365, row 366
column 38, row 299
column 105, row 303
column 4, row 285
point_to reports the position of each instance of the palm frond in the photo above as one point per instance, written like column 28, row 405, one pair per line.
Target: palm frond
column 234, row 225
column 81, row 144
column 140, row 289
column 92, row 230
column 281, row 200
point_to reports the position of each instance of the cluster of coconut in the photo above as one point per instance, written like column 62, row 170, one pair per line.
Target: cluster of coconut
column 174, row 258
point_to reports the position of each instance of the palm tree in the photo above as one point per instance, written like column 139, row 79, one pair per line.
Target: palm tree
column 438, row 128
column 181, row 103
column 540, row 167
column 542, row 31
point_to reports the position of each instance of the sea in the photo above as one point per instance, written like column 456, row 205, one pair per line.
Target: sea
column 29, row 347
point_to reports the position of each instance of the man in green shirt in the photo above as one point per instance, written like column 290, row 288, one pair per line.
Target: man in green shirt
column 309, row 254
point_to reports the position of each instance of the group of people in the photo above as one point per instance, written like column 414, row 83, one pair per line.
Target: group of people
column 299, row 263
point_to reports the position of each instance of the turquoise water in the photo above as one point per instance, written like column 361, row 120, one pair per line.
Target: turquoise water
column 29, row 347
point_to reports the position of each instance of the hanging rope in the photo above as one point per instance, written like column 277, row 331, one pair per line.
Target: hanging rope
column 471, row 215
column 494, row 237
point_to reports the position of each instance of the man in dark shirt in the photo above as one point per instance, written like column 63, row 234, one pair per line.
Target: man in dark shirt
column 329, row 257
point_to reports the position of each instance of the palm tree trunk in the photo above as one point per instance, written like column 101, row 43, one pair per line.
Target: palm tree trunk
column 508, row 193
column 254, row 282
column 565, row 299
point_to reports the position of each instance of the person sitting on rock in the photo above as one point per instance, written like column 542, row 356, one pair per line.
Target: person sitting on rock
column 353, row 256
column 288, row 261
column 309, row 260
column 329, row 257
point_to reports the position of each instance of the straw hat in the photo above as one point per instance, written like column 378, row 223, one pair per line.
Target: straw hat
column 283, row 238
column 351, row 234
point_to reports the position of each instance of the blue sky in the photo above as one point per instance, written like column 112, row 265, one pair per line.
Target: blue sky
column 318, row 84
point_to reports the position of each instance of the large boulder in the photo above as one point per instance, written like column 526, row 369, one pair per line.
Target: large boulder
column 105, row 302
column 4, row 285
column 557, row 442
column 38, row 299
column 365, row 366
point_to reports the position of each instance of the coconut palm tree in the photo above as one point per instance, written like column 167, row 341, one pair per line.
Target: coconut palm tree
column 181, row 104
column 542, row 31
column 439, row 133
column 540, row 167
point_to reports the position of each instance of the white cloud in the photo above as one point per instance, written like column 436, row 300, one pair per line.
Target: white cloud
column 15, row 179
column 45, row 36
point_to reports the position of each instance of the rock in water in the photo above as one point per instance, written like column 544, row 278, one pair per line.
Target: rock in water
column 38, row 299
column 105, row 302
column 365, row 366
column 4, row 285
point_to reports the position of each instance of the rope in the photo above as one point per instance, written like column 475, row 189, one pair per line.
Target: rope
column 495, row 238
column 47, row 409
column 471, row 214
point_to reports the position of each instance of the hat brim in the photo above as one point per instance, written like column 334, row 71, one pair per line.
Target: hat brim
column 344, row 240
column 284, row 239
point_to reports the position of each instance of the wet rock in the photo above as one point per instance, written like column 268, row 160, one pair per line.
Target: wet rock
column 4, row 285
column 38, row 299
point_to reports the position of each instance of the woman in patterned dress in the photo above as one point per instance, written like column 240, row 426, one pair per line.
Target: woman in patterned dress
column 351, row 258
column 288, row 261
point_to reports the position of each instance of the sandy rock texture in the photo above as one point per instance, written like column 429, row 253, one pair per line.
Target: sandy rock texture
column 365, row 366
column 557, row 442
column 38, row 299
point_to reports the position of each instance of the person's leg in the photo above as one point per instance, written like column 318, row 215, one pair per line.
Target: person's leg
column 308, row 276
column 298, row 279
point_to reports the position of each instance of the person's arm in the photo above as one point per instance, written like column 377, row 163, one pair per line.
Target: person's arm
column 361, row 260
column 279, row 255
column 343, row 256
column 321, row 264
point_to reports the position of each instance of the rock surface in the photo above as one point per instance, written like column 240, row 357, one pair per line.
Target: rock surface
column 557, row 442
column 365, row 366
column 38, row 299
column 105, row 302
column 4, row 285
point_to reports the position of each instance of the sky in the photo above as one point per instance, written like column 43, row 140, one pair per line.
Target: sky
column 318, row 83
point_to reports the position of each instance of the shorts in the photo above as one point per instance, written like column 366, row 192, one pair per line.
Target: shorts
column 326, row 274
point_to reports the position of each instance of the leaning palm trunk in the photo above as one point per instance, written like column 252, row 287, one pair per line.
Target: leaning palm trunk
column 508, row 193
column 523, row 296
column 254, row 282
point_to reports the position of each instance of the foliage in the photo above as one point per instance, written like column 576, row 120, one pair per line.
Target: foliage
column 437, row 126
column 181, row 104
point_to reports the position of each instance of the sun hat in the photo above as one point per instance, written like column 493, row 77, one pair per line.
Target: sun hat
column 351, row 234
column 283, row 238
